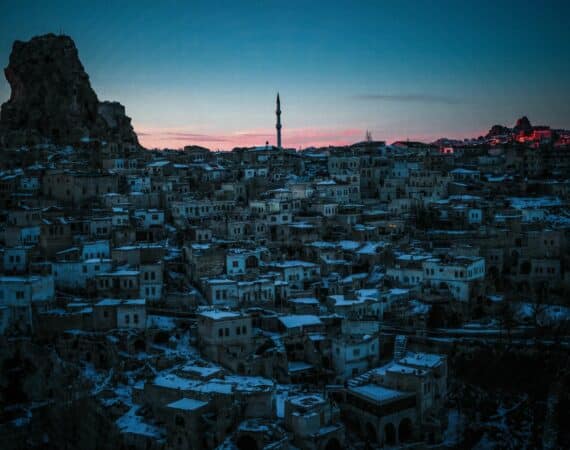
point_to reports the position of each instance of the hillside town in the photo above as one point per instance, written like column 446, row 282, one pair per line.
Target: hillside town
column 394, row 295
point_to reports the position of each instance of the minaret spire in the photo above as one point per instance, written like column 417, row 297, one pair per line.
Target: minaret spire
column 278, row 124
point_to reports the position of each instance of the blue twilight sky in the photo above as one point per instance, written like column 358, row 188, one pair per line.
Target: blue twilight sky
column 193, row 72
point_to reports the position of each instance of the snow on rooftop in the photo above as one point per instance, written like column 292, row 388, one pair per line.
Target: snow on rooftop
column 298, row 320
column 412, row 257
column 394, row 367
column 464, row 171
column 218, row 315
column 534, row 202
column 304, row 301
column 370, row 248
column 428, row 360
column 293, row 263
column 322, row 244
column 132, row 423
column 117, row 302
column 160, row 322
column 299, row 366
column 199, row 370
column 158, row 163
column 172, row 381
column 306, row 401
column 377, row 393
column 417, row 307
column 215, row 387
column 368, row 293
column 220, row 281
column 399, row 291
column 340, row 300
column 187, row 404
column 250, row 383
column 301, row 225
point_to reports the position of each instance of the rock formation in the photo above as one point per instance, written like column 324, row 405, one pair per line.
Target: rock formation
column 52, row 99
column 523, row 125
column 498, row 130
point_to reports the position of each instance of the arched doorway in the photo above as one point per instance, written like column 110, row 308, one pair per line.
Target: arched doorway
column 389, row 434
column 405, row 430
column 370, row 433
column 333, row 444
column 246, row 442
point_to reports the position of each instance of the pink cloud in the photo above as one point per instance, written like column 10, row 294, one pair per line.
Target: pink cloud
column 300, row 137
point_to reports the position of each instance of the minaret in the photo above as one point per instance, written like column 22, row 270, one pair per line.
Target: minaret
column 278, row 124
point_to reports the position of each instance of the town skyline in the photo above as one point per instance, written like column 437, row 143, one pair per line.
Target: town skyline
column 241, row 228
column 189, row 75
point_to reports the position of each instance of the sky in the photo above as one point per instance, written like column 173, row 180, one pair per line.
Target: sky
column 207, row 72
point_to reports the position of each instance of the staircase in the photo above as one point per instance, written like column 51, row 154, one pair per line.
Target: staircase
column 399, row 352
column 361, row 379
column 400, row 347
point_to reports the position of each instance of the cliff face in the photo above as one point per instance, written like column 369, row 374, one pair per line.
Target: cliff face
column 52, row 98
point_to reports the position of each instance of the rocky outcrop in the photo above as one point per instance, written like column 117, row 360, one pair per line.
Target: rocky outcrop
column 498, row 130
column 118, row 125
column 523, row 125
column 52, row 99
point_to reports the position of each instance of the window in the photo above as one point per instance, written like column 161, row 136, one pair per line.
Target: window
column 244, row 329
column 221, row 332
column 127, row 319
column 238, row 331
column 19, row 295
column 235, row 263
column 135, row 318
column 227, row 332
